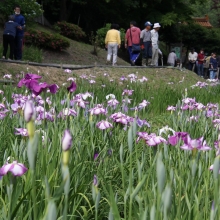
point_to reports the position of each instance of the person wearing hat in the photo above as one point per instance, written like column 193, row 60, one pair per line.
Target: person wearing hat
column 154, row 40
column 9, row 36
column 145, row 40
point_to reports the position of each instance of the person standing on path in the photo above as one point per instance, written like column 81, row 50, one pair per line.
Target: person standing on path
column 9, row 37
column 155, row 47
column 145, row 40
column 171, row 58
column 214, row 66
column 18, row 18
column 132, row 36
column 201, row 58
column 112, row 43
column 192, row 57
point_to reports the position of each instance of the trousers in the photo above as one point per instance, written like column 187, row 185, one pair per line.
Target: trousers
column 154, row 55
column 112, row 51
column 8, row 40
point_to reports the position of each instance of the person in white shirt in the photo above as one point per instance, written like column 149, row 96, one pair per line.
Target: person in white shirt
column 154, row 40
column 171, row 58
column 192, row 57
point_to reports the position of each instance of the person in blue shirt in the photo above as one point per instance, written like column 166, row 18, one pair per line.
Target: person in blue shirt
column 18, row 18
column 9, row 36
column 214, row 66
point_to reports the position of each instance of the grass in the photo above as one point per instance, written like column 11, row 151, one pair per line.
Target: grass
column 134, row 181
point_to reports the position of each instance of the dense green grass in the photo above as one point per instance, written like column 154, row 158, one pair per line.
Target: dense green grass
column 135, row 181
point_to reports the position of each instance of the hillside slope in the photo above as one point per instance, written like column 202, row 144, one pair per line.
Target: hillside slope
column 78, row 53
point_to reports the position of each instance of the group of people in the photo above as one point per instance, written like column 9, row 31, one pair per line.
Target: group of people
column 205, row 66
column 13, row 35
column 136, row 41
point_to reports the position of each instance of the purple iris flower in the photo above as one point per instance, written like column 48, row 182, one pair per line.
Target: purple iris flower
column 37, row 88
column 31, row 82
column 141, row 123
column 66, row 140
column 28, row 79
column 173, row 140
column 121, row 118
column 72, row 87
column 127, row 92
column 97, row 110
column 150, row 139
column 21, row 131
column 103, row 125
column 17, row 169
column 191, row 144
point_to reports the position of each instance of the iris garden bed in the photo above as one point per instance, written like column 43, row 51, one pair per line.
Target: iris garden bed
column 98, row 148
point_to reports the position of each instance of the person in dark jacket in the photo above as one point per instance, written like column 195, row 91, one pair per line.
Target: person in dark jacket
column 9, row 36
column 19, row 34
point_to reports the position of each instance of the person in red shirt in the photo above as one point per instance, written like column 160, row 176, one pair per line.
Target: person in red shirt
column 201, row 58
column 132, row 37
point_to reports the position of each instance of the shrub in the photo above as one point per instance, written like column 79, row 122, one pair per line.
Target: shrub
column 32, row 53
column 69, row 30
column 101, row 33
column 46, row 40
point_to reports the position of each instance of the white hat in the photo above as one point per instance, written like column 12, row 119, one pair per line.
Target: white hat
column 156, row 25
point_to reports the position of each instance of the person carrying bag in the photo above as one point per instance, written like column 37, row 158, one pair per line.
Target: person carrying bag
column 132, row 42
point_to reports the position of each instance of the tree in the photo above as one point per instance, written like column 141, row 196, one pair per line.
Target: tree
column 30, row 9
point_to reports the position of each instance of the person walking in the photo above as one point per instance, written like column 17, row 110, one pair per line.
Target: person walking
column 201, row 59
column 213, row 66
column 206, row 66
column 154, row 39
column 192, row 57
column 218, row 60
column 112, row 43
column 9, row 37
column 18, row 18
column 145, row 40
column 171, row 58
column 132, row 37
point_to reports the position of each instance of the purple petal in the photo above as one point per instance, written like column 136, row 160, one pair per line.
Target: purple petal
column 72, row 87
column 53, row 88
column 66, row 141
column 28, row 110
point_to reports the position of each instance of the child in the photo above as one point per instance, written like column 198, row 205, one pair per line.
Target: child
column 9, row 36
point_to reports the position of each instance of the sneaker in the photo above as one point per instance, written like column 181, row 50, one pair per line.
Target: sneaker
column 9, row 59
column 115, row 64
column 3, row 57
column 132, row 63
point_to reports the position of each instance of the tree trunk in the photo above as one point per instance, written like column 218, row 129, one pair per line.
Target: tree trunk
column 63, row 10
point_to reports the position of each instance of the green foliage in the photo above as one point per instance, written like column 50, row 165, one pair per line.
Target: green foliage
column 69, row 30
column 30, row 53
column 135, row 181
column 30, row 9
column 192, row 35
column 101, row 33
column 46, row 40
